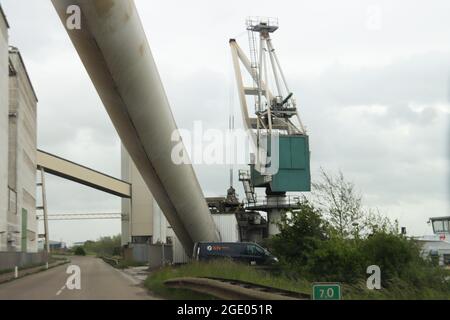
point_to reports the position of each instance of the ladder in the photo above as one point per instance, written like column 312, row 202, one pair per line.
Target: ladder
column 254, row 54
column 43, row 208
column 249, row 189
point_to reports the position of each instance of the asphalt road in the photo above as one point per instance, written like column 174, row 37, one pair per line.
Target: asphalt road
column 99, row 281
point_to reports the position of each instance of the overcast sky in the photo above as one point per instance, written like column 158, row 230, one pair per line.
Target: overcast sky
column 372, row 78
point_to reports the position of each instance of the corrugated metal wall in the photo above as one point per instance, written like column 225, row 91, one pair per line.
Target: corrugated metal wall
column 228, row 227
column 3, row 131
column 179, row 255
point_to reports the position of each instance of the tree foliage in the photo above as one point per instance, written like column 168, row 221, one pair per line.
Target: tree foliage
column 341, row 205
column 334, row 238
column 110, row 246
column 79, row 251
column 301, row 232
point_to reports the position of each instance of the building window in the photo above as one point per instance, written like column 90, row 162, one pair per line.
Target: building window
column 141, row 239
column 440, row 226
column 12, row 203
column 447, row 259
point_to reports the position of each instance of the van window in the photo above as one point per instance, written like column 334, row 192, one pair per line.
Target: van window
column 254, row 250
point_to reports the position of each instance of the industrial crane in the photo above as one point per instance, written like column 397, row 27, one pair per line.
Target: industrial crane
column 281, row 162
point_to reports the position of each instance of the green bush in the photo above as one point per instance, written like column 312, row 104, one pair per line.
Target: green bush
column 336, row 260
column 108, row 246
column 391, row 252
column 301, row 234
column 79, row 251
column 309, row 248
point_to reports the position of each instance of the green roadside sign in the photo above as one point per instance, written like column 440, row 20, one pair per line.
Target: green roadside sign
column 327, row 291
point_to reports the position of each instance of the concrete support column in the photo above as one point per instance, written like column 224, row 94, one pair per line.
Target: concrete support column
column 275, row 215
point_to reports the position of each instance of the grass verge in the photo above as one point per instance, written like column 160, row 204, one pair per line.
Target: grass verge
column 217, row 269
column 398, row 289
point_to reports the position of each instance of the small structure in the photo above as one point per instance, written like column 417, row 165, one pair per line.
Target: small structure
column 437, row 246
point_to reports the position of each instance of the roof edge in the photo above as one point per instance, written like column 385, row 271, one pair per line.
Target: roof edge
column 2, row 13
column 14, row 50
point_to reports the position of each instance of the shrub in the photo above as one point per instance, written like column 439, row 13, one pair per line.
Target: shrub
column 392, row 253
column 337, row 259
column 300, row 236
column 79, row 251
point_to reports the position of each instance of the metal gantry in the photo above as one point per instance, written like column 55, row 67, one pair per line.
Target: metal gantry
column 43, row 208
column 82, row 216
column 275, row 109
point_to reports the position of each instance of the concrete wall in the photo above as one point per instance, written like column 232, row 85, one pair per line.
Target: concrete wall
column 138, row 212
column 22, row 223
column 9, row 260
column 3, row 130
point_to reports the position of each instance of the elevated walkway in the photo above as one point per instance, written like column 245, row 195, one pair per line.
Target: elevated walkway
column 77, row 173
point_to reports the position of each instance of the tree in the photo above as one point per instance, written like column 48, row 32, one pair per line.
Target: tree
column 79, row 251
column 340, row 202
column 300, row 233
column 110, row 246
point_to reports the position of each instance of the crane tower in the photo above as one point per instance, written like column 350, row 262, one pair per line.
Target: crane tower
column 281, row 162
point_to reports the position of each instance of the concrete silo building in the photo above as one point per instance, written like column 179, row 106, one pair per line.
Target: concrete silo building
column 3, row 129
column 18, row 148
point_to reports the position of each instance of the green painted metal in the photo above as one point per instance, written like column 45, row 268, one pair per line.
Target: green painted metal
column 294, row 174
column 24, row 230
column 327, row 291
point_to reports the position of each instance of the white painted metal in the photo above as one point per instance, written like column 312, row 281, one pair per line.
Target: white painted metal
column 267, row 68
column 160, row 226
column 4, row 197
column 45, row 212
column 114, row 49
column 126, row 203
column 179, row 255
column 228, row 227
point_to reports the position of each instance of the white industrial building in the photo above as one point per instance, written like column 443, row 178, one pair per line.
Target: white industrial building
column 22, row 223
column 3, row 130
column 18, row 145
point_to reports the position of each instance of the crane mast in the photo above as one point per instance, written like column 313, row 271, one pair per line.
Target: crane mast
column 281, row 162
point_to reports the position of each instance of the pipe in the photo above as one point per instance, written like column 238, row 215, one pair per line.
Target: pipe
column 114, row 50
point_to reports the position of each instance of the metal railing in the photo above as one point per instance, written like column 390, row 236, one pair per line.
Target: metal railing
column 255, row 21
column 286, row 202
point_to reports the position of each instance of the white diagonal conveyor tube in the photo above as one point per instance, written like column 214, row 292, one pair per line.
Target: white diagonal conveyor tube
column 114, row 50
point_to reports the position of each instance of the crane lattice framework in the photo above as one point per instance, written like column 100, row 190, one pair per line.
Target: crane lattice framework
column 273, row 111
